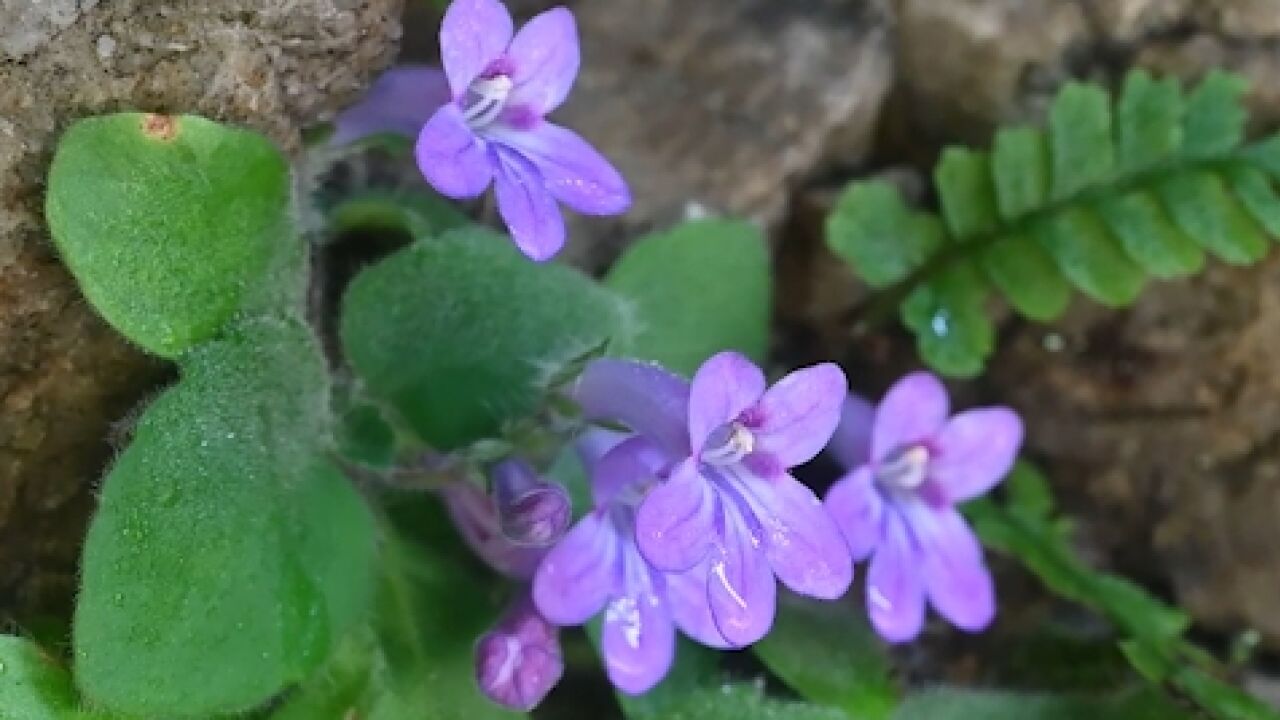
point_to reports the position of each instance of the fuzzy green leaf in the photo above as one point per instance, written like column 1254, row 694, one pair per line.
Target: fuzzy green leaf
column 1150, row 237
column 958, row 704
column 854, row 674
column 1020, row 161
column 1201, row 206
column 1149, row 121
column 696, row 290
column 1090, row 257
column 167, row 223
column 1027, row 276
column 1215, row 117
column 459, row 333
column 874, row 231
column 1080, row 142
column 1258, row 195
column 745, row 702
column 32, row 685
column 963, row 179
column 953, row 332
column 227, row 554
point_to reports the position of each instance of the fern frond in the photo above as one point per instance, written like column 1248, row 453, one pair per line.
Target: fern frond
column 1103, row 198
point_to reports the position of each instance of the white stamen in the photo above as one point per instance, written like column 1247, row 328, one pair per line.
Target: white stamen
column 738, row 442
column 490, row 98
column 906, row 469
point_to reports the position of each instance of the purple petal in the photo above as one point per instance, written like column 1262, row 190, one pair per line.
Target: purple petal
column 895, row 591
column 519, row 661
column 451, row 157
column 975, row 450
column 473, row 34
column 690, row 607
column 740, row 585
column 955, row 576
column 723, row 388
column 530, row 212
column 796, row 417
column 803, row 544
column 642, row 396
column 913, row 411
column 545, row 57
column 400, row 101
column 638, row 642
column 592, row 444
column 676, row 521
column 474, row 514
column 857, row 508
column 629, row 467
column 573, row 171
column 578, row 575
column 851, row 443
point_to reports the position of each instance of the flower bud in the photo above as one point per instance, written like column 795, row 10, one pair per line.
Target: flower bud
column 531, row 511
column 518, row 662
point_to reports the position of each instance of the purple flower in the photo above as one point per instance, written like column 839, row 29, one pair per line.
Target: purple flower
column 531, row 511
column 732, row 508
column 911, row 466
column 597, row 567
column 494, row 130
column 398, row 102
column 475, row 514
column 519, row 661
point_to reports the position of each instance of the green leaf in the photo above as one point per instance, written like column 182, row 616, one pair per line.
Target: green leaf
column 1201, row 206
column 958, row 704
column 1027, row 276
column 365, row 437
column 1080, row 139
column 854, row 672
column 1090, row 257
column 457, row 333
column 1259, row 196
column 872, row 229
column 1150, row 237
column 1215, row 117
column 1219, row 699
column 32, row 685
column 1149, row 121
column 953, row 332
column 167, row 223
column 1020, row 162
column 963, row 179
column 227, row 554
column 745, row 702
column 420, row 214
column 696, row 290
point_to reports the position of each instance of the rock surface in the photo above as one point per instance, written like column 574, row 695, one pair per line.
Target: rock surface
column 65, row 377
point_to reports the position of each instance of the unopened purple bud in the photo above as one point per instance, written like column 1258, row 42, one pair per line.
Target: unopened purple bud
column 518, row 662
column 531, row 511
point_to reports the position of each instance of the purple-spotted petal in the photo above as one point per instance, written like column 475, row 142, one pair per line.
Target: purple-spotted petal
column 724, row 387
column 803, row 545
column 974, row 451
column 690, row 607
column 895, row 590
column 676, row 521
column 638, row 642
column 573, row 171
column 545, row 58
column 913, row 410
column 580, row 573
column 851, row 443
column 796, row 417
column 530, row 212
column 642, row 396
column 451, row 157
column 473, row 34
column 955, row 576
column 400, row 101
column 857, row 508
column 740, row 585
column 628, row 468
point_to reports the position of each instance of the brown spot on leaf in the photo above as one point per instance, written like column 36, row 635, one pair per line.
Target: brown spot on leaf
column 160, row 127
